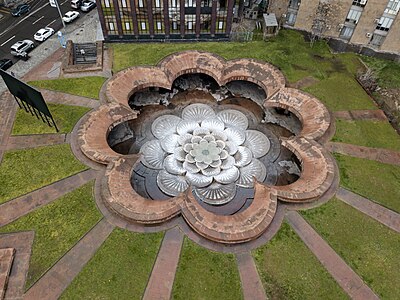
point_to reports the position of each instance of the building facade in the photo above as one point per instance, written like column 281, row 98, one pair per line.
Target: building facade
column 369, row 23
column 165, row 20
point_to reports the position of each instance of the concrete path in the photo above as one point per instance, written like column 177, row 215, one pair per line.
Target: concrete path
column 378, row 154
column 251, row 282
column 56, row 280
column 383, row 215
column 351, row 115
column 348, row 280
column 18, row 207
column 163, row 274
column 18, row 142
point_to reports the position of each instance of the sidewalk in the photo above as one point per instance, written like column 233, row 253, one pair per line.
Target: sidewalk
column 85, row 29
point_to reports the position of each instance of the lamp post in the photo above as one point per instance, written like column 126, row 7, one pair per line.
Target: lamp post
column 54, row 3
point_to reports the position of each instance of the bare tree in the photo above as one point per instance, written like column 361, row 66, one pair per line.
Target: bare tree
column 323, row 19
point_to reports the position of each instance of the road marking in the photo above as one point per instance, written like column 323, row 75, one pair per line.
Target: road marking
column 7, row 41
column 51, row 23
column 19, row 22
column 38, row 20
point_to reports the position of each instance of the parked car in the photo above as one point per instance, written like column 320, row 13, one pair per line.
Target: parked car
column 76, row 3
column 20, row 10
column 43, row 34
column 87, row 6
column 20, row 48
column 5, row 63
column 70, row 16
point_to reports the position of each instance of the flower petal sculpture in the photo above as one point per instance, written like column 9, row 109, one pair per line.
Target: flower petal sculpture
column 205, row 149
column 207, row 158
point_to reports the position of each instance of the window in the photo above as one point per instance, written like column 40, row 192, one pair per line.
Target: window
column 384, row 24
column 377, row 40
column 393, row 7
column 123, row 3
column 143, row 25
column 360, row 2
column 346, row 32
column 291, row 18
column 353, row 16
column 107, row 3
column 158, row 16
column 141, row 4
column 174, row 16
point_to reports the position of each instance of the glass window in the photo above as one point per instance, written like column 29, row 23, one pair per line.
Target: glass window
column 360, row 2
column 384, row 23
column 353, row 16
column 393, row 7
column 377, row 40
column 346, row 32
column 174, row 14
column 158, row 16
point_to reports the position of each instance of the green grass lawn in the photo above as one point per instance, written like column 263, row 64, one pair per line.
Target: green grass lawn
column 120, row 269
column 376, row 134
column 341, row 92
column 65, row 117
column 289, row 270
column 373, row 180
column 203, row 274
column 81, row 86
column 370, row 248
column 288, row 51
column 58, row 226
column 23, row 171
column 387, row 71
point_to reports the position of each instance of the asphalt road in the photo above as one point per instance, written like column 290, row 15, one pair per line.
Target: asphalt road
column 13, row 29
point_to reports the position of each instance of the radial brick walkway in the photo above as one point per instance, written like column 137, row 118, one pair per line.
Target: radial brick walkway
column 350, row 115
column 163, row 274
column 349, row 281
column 377, row 154
column 38, row 140
column 383, row 215
column 251, row 283
column 68, row 99
column 55, row 281
column 18, row 207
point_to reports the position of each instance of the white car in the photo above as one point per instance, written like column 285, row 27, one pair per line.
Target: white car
column 20, row 48
column 43, row 34
column 70, row 16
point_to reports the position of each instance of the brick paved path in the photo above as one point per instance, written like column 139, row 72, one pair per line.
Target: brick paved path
column 8, row 108
column 383, row 215
column 251, row 283
column 373, row 115
column 377, row 154
column 163, row 274
column 68, row 99
column 349, row 281
column 18, row 207
column 37, row 140
column 22, row 243
column 56, row 280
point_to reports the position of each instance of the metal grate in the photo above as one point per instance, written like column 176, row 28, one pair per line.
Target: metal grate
column 85, row 53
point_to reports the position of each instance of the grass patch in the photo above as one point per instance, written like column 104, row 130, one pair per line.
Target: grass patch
column 23, row 171
column 83, row 86
column 289, row 270
column 341, row 92
column 203, row 274
column 58, row 226
column 370, row 248
column 65, row 117
column 377, row 134
column 387, row 71
column 120, row 269
column 288, row 51
column 376, row 181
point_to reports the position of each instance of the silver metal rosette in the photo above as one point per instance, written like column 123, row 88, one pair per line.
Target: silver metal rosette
column 211, row 152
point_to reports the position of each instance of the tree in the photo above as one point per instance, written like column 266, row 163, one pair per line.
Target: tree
column 323, row 19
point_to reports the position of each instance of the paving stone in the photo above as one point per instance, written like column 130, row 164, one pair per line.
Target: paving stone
column 251, row 282
column 6, row 260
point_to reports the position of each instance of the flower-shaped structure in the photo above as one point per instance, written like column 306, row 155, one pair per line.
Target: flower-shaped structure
column 210, row 163
column 211, row 152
